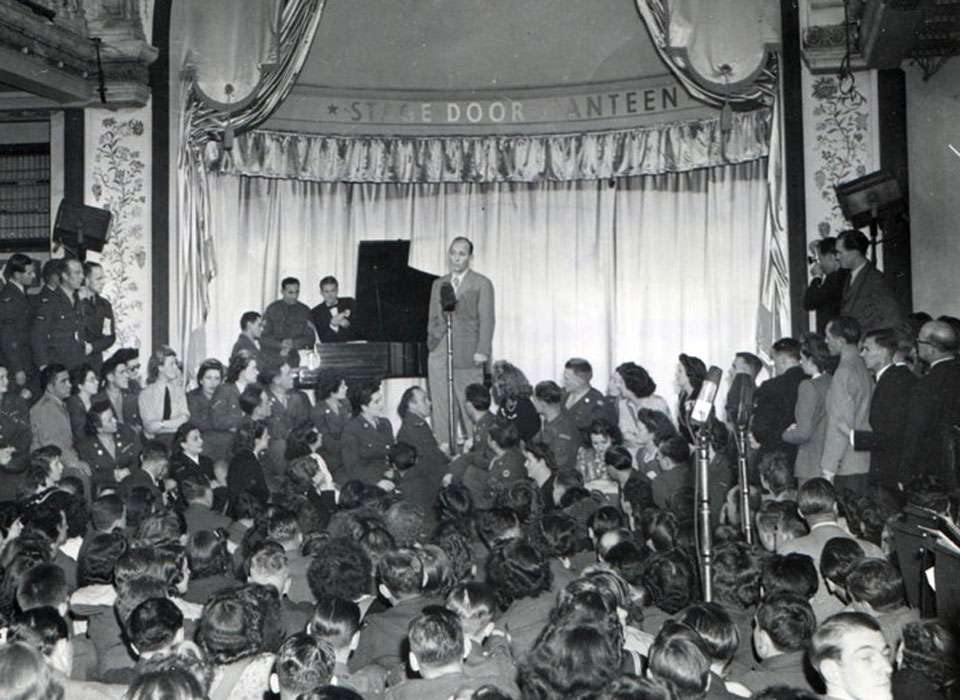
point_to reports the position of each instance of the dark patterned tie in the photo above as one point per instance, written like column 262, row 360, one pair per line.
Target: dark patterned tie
column 167, row 408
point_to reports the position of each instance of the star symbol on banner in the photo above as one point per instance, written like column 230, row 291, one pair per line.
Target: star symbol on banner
column 332, row 109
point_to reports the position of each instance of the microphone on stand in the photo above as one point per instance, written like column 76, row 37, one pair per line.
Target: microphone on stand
column 743, row 388
column 448, row 297
column 700, row 417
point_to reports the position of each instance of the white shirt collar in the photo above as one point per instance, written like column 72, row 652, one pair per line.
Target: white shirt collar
column 937, row 362
column 882, row 370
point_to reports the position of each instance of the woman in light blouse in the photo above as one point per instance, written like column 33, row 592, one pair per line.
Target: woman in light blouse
column 163, row 402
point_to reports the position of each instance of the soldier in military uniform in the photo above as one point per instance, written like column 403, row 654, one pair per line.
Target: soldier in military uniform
column 112, row 450
column 57, row 333
column 99, row 327
column 582, row 402
column 558, row 429
column 15, row 315
column 487, row 482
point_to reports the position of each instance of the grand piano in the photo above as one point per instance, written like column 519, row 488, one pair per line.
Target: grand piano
column 392, row 307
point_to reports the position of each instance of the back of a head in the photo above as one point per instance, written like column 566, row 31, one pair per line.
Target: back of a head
column 436, row 636
column 736, row 575
column 105, row 511
column 669, row 578
column 877, row 583
column 793, row 572
column 788, row 619
column 517, row 570
column 402, row 572
column 25, row 675
column 154, row 625
column 231, row 627
column 679, row 664
column 549, row 392
column 172, row 684
column 44, row 585
column 817, row 497
column 777, row 472
column 716, row 628
column 838, row 558
column 304, row 663
column 932, row 649
column 335, row 620
column 575, row 660
column 98, row 558
column 341, row 568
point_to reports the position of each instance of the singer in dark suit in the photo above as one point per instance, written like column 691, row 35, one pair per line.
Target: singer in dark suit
column 333, row 317
column 934, row 405
column 473, row 322
column 866, row 295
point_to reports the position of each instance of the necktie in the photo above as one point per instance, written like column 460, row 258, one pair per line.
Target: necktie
column 456, row 285
column 167, row 408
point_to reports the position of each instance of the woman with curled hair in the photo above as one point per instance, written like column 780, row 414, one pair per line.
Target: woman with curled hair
column 25, row 675
column 309, row 492
column 84, row 386
column 367, row 436
column 687, row 380
column 210, row 565
column 809, row 429
column 111, row 448
column 512, row 391
column 233, row 632
column 520, row 577
column 44, row 471
column 225, row 409
column 455, row 505
column 330, row 414
column 634, row 390
column 651, row 428
column 574, row 662
column 602, row 435
column 216, row 443
column 245, row 473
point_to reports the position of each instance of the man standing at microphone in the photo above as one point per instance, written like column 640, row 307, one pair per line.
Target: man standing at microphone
column 473, row 321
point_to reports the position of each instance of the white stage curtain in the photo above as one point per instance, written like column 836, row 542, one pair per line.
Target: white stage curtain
column 637, row 268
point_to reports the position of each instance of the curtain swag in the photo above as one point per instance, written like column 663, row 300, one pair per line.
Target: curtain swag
column 665, row 148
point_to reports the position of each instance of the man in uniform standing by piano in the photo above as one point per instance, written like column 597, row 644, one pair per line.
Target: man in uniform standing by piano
column 473, row 322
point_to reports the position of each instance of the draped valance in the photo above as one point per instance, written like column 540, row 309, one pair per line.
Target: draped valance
column 676, row 147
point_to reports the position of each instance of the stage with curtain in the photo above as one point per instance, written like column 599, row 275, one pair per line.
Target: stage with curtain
column 617, row 245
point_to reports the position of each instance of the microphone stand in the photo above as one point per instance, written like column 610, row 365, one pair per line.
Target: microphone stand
column 745, row 518
column 706, row 537
column 448, row 316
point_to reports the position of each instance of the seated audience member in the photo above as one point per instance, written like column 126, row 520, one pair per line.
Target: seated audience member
column 49, row 518
column 309, row 492
column 329, row 414
column 485, row 482
column 928, row 663
column 793, row 573
column 570, row 660
column 840, row 555
column 631, row 687
column 634, row 392
column 367, row 436
column 415, row 483
column 25, row 674
column 521, row 580
column 511, row 391
column 678, row 660
column 284, row 529
column 289, row 408
column 152, row 473
column 115, row 382
column 268, row 566
column 109, row 447
column 653, row 427
column 476, row 605
column 558, row 430
column 337, row 621
column 736, row 587
column 163, row 402
column 227, row 411
column 401, row 578
column 776, row 477
column 721, row 640
column 779, row 522
column 236, row 637
column 477, row 407
column 342, row 568
column 251, row 328
column 217, row 444
column 670, row 580
column 849, row 652
column 210, row 565
column 675, row 473
column 636, row 488
column 414, row 410
column 245, row 473
column 559, row 538
column 437, row 651
column 876, row 588
column 581, row 401
column 197, row 492
column 186, row 454
column 303, row 664
column 601, row 436
column 172, row 683
column 497, row 526
column 50, row 420
column 153, row 627
column 817, row 501
column 784, row 626
column 43, row 474
column 541, row 467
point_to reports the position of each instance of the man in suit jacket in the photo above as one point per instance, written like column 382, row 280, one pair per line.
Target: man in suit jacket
column 866, row 295
column 15, row 315
column 824, row 293
column 414, row 409
column 848, row 408
column 934, row 405
column 99, row 326
column 473, row 322
column 251, row 328
column 888, row 410
column 776, row 399
column 333, row 317
column 57, row 333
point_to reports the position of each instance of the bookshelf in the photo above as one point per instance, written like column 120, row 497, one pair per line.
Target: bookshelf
column 24, row 196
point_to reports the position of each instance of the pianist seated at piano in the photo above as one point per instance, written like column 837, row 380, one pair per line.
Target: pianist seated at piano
column 367, row 437
column 333, row 318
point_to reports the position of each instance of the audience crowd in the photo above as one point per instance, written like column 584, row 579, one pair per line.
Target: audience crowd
column 228, row 536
